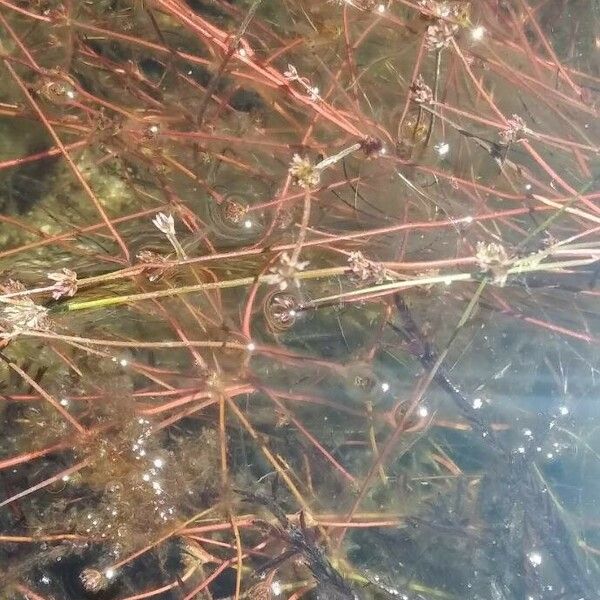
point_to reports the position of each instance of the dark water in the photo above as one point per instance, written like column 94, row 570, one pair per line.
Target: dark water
column 304, row 288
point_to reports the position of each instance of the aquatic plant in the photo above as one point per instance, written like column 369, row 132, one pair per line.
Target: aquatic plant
column 299, row 298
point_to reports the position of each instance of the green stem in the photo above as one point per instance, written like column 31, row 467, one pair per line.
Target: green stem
column 200, row 287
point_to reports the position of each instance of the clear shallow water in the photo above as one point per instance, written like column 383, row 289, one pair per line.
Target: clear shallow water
column 360, row 360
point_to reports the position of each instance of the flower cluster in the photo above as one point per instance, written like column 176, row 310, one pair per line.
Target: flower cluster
column 286, row 271
column 515, row 130
column 439, row 35
column 447, row 18
column 66, row 283
column 421, row 92
column 365, row 269
column 492, row 258
column 304, row 173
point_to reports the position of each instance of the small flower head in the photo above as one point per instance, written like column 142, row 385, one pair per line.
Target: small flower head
column 514, row 131
column 93, row 581
column 165, row 223
column 492, row 258
column 303, row 172
column 365, row 269
column 66, row 283
column 490, row 254
column 421, row 92
column 371, row 146
column 291, row 74
column 286, row 271
column 440, row 34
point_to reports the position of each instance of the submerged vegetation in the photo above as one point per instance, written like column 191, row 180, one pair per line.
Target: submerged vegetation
column 299, row 299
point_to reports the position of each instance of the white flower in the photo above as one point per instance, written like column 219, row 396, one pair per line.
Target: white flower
column 287, row 271
column 291, row 73
column 165, row 223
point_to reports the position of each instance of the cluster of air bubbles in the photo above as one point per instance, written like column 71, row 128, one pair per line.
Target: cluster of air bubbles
column 152, row 473
column 139, row 444
column 549, row 449
column 152, row 477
